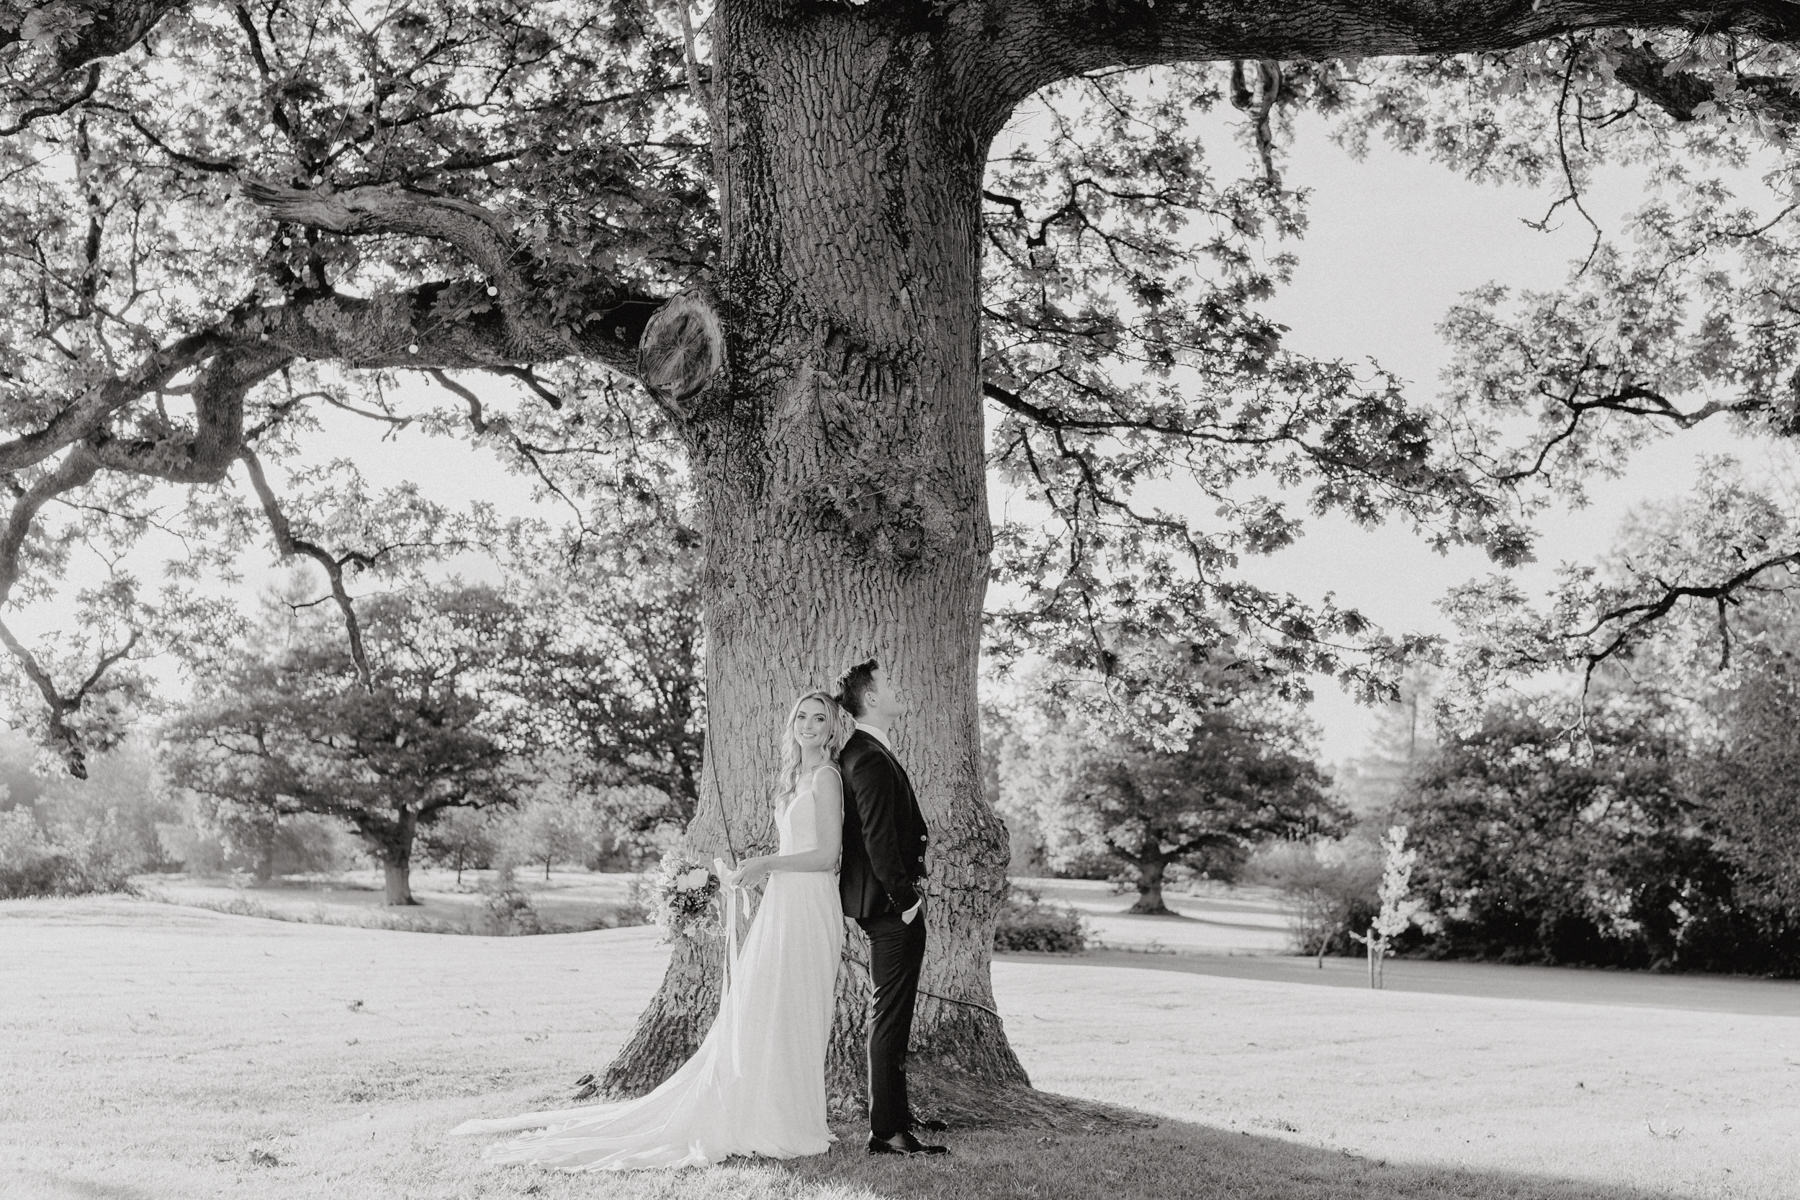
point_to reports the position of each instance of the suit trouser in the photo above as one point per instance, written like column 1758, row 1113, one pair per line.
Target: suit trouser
column 896, row 952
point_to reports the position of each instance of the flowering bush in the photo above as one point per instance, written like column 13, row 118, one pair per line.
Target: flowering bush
column 684, row 898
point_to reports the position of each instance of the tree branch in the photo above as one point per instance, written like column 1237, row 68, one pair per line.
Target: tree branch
column 289, row 545
column 1680, row 93
column 1002, row 52
column 1641, row 614
column 472, row 230
column 55, row 107
column 76, row 419
column 532, row 329
column 115, row 28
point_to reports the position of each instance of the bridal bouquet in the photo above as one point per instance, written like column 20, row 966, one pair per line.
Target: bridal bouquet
column 685, row 898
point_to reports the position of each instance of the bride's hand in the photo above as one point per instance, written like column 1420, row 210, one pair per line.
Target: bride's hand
column 750, row 873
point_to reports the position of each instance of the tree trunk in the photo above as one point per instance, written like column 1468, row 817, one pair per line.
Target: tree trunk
column 396, row 860
column 1149, row 888
column 840, row 471
column 264, row 867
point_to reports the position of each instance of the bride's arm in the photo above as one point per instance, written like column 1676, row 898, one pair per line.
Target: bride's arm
column 828, row 835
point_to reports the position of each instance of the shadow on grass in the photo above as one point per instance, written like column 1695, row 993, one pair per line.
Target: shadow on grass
column 1572, row 985
column 41, row 1185
column 1171, row 1160
column 1172, row 917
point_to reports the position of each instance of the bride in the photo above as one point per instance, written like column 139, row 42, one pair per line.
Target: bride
column 756, row 1085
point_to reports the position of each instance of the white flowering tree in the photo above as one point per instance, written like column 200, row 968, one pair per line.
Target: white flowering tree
column 1398, row 911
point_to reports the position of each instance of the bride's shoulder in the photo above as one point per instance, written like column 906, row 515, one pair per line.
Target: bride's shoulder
column 829, row 777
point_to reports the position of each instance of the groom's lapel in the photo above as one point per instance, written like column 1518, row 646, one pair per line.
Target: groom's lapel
column 891, row 756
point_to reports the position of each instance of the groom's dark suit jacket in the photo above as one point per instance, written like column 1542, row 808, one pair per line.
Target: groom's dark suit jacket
column 884, row 832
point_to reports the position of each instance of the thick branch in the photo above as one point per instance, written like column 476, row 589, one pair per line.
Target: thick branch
column 428, row 327
column 76, row 468
column 1680, row 93
column 53, row 108
column 114, row 29
column 533, row 316
column 1004, row 51
column 476, row 233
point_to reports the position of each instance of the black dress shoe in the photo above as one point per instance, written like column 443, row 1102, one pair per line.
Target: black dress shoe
column 930, row 1125
column 902, row 1143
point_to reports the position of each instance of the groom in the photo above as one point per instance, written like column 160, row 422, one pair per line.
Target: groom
column 883, row 866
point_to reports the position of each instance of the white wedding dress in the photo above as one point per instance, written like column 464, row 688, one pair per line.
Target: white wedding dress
column 756, row 1085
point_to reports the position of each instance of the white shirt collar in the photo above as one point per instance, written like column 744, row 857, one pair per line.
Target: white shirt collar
column 877, row 734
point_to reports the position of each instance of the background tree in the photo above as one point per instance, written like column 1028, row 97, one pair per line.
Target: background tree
column 1203, row 805
column 224, row 833
column 297, row 732
column 1199, row 791
column 1005, row 757
column 1539, row 840
column 460, row 838
column 521, row 189
column 616, row 681
column 1709, row 672
column 551, row 824
column 69, row 836
column 1403, row 733
column 1747, row 781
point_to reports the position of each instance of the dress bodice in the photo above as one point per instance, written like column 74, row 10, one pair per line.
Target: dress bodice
column 795, row 824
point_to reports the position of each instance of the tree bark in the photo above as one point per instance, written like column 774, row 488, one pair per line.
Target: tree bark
column 396, row 860
column 1149, row 888
column 840, row 471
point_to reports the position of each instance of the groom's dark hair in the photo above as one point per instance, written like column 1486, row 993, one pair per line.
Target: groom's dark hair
column 854, row 684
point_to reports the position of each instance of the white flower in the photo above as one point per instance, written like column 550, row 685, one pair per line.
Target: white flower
column 694, row 880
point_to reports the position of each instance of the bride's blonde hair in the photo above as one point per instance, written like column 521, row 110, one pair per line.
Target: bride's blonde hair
column 841, row 726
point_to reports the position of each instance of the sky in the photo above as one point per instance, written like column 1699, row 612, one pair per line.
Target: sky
column 1393, row 241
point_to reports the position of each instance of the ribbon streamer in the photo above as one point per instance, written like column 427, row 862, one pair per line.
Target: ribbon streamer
column 730, row 893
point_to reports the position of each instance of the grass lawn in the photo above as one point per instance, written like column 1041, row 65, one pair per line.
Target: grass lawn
column 568, row 901
column 151, row 1051
column 1210, row 919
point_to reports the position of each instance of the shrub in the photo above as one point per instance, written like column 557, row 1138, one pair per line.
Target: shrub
column 508, row 910
column 1331, row 883
column 640, row 903
column 1027, row 923
column 32, row 865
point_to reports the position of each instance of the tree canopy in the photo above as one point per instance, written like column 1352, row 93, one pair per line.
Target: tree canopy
column 286, row 730
column 222, row 219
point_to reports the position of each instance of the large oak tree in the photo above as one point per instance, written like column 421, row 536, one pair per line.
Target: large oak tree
column 218, row 220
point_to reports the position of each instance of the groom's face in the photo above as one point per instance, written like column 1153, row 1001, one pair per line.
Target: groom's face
column 884, row 702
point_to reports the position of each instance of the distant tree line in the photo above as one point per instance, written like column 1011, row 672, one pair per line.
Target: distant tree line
column 467, row 725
